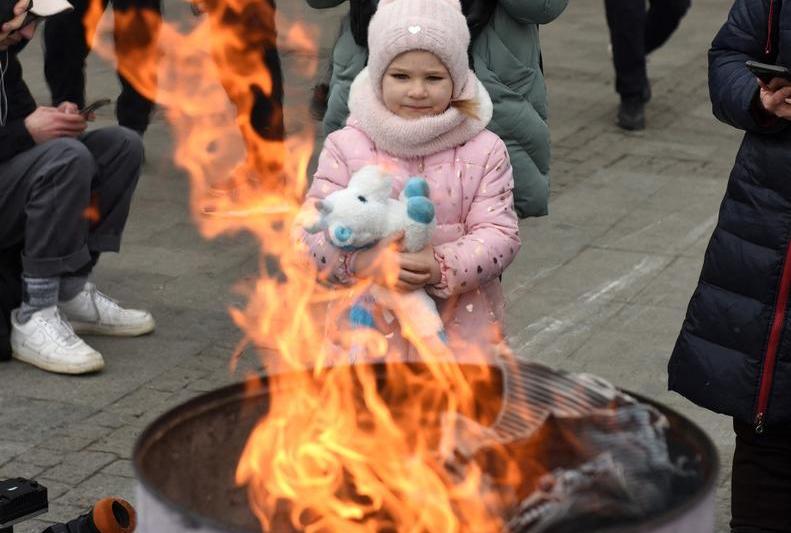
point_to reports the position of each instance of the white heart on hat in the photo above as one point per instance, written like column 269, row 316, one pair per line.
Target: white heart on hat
column 414, row 29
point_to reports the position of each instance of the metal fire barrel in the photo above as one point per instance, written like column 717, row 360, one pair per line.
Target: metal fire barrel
column 185, row 463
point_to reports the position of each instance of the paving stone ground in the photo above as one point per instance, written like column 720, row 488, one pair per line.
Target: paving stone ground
column 601, row 285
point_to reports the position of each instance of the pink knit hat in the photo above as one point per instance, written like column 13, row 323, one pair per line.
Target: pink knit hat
column 436, row 26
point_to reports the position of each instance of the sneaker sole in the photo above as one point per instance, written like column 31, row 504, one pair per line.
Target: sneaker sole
column 57, row 368
column 92, row 328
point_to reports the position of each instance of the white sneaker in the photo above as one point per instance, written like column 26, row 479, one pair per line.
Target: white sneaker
column 48, row 341
column 95, row 313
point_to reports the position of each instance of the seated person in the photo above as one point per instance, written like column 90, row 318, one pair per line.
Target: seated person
column 64, row 197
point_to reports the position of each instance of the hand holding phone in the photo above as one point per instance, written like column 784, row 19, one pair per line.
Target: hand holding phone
column 774, row 96
column 93, row 106
column 766, row 72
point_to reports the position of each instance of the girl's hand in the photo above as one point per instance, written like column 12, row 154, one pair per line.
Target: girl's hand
column 776, row 97
column 379, row 262
column 385, row 261
column 418, row 269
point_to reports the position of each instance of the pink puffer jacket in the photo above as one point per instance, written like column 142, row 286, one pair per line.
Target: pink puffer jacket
column 477, row 233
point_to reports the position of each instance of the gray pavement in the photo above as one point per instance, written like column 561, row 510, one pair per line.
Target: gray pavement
column 601, row 285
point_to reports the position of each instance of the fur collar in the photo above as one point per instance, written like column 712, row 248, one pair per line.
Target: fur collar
column 409, row 138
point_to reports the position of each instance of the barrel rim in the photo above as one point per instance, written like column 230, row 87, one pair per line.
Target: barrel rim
column 237, row 392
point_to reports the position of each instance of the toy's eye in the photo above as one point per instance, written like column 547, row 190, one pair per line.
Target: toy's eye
column 362, row 199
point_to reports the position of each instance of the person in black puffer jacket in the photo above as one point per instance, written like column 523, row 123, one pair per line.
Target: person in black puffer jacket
column 733, row 354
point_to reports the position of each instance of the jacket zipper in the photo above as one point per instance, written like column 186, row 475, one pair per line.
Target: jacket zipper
column 768, row 46
column 768, row 368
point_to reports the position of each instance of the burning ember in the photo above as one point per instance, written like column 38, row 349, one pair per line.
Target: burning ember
column 430, row 446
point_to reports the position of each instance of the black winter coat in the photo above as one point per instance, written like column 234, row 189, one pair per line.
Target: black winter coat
column 733, row 354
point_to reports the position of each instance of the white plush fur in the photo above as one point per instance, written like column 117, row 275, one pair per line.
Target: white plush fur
column 363, row 213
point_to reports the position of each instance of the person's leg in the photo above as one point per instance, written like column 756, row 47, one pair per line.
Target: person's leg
column 263, row 122
column 663, row 18
column 761, row 480
column 43, row 196
column 266, row 115
column 626, row 20
column 65, row 50
column 118, row 153
column 136, row 33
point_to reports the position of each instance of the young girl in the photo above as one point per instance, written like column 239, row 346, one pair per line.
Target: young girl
column 419, row 110
column 506, row 54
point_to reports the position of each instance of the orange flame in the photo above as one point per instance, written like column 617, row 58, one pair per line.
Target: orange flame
column 343, row 448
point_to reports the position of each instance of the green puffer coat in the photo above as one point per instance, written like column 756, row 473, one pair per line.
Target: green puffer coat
column 506, row 55
column 348, row 59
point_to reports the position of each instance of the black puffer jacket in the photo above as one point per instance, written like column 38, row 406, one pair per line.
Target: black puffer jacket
column 733, row 355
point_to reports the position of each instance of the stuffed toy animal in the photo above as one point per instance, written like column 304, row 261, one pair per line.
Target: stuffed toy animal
column 357, row 217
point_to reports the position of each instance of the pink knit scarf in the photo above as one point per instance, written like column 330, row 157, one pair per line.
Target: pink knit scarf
column 409, row 138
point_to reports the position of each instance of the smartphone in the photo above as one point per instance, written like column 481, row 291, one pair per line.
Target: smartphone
column 766, row 72
column 93, row 106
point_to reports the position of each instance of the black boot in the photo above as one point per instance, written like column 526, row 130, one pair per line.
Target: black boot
column 646, row 96
column 631, row 114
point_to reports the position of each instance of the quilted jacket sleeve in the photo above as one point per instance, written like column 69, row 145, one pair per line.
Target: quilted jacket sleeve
column 491, row 239
column 526, row 134
column 732, row 87
column 534, row 11
column 332, row 174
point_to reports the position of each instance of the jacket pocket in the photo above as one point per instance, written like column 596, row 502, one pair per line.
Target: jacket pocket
column 519, row 79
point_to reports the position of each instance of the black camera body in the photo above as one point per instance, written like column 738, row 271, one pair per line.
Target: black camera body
column 21, row 499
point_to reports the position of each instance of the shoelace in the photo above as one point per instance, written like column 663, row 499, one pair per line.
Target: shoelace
column 101, row 300
column 61, row 329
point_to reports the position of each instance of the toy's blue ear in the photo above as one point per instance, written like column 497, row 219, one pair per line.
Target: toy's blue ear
column 416, row 186
column 420, row 209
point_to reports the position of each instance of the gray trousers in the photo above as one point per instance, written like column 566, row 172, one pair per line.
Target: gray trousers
column 67, row 200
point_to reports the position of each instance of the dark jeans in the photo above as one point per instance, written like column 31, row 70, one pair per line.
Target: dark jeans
column 67, row 200
column 65, row 50
column 761, row 482
column 636, row 31
column 10, row 295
